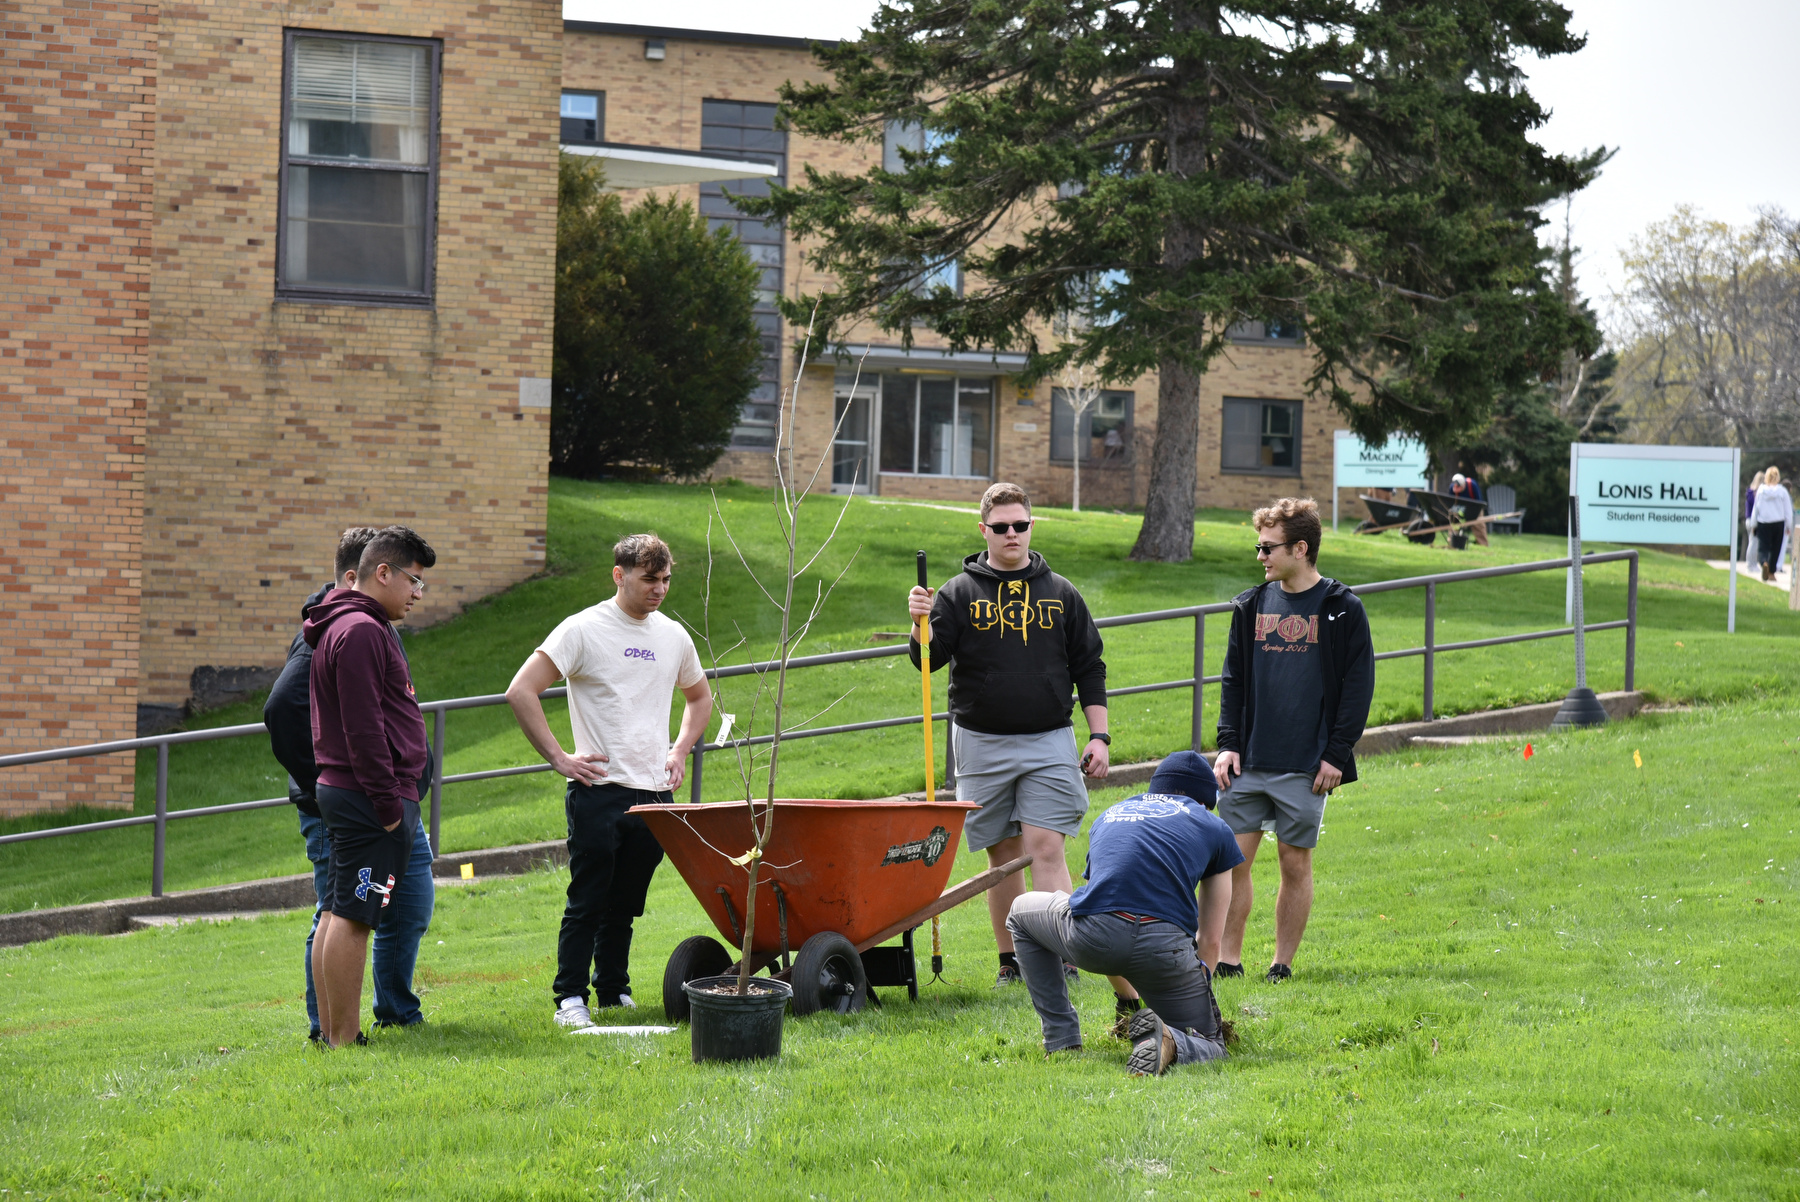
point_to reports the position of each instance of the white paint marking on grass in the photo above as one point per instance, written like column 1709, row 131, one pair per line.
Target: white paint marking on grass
column 641, row 1030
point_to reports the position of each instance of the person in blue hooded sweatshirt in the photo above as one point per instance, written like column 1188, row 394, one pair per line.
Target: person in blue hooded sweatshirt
column 1138, row 917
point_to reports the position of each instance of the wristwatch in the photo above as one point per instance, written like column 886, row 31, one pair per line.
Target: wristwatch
column 1102, row 736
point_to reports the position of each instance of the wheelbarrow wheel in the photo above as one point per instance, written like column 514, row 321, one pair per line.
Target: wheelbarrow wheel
column 700, row 956
column 1367, row 526
column 828, row 975
column 1420, row 524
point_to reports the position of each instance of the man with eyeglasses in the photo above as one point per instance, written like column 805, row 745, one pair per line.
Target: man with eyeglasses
column 288, row 716
column 369, row 744
column 1298, row 678
column 1020, row 642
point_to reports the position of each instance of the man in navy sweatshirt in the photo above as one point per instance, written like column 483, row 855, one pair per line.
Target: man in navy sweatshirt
column 288, row 716
column 1137, row 918
column 369, row 744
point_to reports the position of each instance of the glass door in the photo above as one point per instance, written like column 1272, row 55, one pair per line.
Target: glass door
column 851, row 463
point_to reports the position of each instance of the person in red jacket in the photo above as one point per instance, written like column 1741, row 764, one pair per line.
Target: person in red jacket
column 369, row 744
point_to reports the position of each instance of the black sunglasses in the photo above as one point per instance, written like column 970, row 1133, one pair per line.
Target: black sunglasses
column 1003, row 527
column 1271, row 548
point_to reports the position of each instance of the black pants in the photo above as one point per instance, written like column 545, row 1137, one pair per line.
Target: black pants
column 612, row 856
column 1768, row 543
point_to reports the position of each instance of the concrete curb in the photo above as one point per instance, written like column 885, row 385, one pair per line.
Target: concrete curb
column 296, row 892
column 274, row 893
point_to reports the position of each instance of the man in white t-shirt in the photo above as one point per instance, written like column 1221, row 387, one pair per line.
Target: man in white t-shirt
column 623, row 661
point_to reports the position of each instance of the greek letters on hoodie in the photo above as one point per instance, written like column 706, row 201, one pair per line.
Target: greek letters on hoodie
column 1018, row 645
column 368, row 734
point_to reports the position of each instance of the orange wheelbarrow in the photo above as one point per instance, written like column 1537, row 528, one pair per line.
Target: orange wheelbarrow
column 838, row 879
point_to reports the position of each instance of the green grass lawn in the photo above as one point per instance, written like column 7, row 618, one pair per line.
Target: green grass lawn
column 1563, row 977
column 1683, row 655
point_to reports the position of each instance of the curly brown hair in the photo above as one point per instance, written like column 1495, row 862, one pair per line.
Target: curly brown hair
column 1298, row 518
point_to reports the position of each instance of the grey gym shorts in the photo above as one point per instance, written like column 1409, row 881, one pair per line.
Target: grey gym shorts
column 1279, row 801
column 1016, row 779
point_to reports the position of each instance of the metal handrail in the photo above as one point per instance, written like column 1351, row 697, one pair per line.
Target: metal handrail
column 1197, row 682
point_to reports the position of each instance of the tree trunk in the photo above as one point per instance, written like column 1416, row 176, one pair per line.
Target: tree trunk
column 1167, row 535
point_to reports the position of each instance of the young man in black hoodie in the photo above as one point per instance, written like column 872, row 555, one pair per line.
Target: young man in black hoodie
column 1299, row 674
column 1019, row 641
column 369, row 743
column 288, row 715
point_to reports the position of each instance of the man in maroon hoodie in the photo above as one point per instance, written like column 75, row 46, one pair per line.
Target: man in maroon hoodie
column 369, row 743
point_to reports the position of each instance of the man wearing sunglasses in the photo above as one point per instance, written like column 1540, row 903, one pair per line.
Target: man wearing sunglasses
column 369, row 744
column 1020, row 643
column 1298, row 678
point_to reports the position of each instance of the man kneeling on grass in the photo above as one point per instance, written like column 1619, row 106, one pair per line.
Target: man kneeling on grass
column 1136, row 918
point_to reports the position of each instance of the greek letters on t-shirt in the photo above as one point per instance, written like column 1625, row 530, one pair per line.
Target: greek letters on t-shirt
column 1294, row 631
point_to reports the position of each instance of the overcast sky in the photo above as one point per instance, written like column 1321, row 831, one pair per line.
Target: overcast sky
column 1695, row 97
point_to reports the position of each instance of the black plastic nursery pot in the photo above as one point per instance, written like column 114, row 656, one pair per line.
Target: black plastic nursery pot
column 727, row 1026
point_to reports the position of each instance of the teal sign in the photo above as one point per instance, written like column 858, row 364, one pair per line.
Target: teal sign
column 1397, row 463
column 1646, row 494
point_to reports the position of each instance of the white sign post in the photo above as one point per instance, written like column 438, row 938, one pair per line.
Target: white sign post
column 1396, row 463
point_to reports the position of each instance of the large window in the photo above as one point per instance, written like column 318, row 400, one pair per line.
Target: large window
column 937, row 425
column 359, row 171
column 1261, row 437
column 1105, row 433
column 738, row 130
column 583, row 118
column 1281, row 333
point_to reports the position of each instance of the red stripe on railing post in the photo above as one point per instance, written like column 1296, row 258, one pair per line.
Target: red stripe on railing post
column 159, row 844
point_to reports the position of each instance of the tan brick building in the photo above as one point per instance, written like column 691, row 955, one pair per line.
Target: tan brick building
column 274, row 269
column 924, row 425
column 330, row 304
column 78, row 84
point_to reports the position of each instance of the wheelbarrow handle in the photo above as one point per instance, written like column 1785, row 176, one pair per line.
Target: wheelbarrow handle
column 954, row 896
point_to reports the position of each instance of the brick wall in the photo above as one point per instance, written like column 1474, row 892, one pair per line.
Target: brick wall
column 658, row 104
column 274, row 424
column 77, row 85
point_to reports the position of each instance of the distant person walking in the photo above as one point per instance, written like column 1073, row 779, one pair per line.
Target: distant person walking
column 1298, row 678
column 1774, row 518
column 1756, row 482
column 369, row 744
column 1020, row 644
column 623, row 660
column 288, row 715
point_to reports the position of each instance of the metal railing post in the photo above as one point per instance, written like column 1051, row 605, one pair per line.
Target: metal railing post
column 949, row 756
column 1631, row 623
column 699, row 767
column 159, row 844
column 1199, row 716
column 437, row 777
column 1430, row 647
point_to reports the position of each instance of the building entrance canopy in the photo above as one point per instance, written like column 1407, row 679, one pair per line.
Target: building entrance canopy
column 658, row 167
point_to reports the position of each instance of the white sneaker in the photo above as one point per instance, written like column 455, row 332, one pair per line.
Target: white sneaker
column 624, row 1003
column 573, row 1013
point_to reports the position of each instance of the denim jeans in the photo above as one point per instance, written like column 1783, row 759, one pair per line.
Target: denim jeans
column 612, row 856
column 1159, row 958
column 396, row 939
